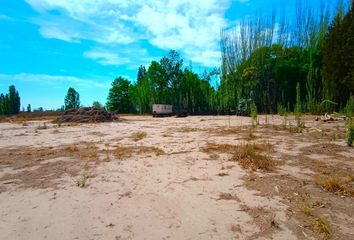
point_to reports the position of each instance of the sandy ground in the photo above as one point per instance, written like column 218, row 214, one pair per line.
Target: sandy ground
column 148, row 178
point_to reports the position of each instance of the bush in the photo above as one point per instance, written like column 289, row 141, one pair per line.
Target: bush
column 282, row 111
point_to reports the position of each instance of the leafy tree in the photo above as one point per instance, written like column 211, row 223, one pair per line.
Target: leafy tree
column 141, row 74
column 14, row 101
column 118, row 100
column 97, row 104
column 11, row 102
column 338, row 57
column 29, row 108
column 72, row 99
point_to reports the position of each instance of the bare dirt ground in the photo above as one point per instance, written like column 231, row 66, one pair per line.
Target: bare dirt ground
column 192, row 178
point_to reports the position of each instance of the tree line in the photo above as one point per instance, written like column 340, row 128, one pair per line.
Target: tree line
column 268, row 55
column 10, row 102
column 271, row 61
column 263, row 62
column 164, row 82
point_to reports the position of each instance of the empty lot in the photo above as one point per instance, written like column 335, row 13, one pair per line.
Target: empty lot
column 213, row 177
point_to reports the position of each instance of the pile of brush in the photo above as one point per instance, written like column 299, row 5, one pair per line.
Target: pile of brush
column 86, row 115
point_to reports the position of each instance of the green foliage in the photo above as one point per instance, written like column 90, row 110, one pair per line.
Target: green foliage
column 141, row 74
column 254, row 113
column 118, row 100
column 300, row 124
column 282, row 111
column 72, row 99
column 29, row 109
column 297, row 109
column 11, row 102
column 349, row 108
column 338, row 56
column 166, row 83
column 97, row 104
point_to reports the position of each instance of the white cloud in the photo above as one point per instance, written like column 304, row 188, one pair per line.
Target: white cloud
column 54, row 80
column 184, row 25
column 106, row 58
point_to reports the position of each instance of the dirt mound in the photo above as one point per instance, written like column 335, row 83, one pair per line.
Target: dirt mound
column 86, row 115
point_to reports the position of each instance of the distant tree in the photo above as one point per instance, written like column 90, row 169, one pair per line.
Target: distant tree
column 29, row 108
column 97, row 104
column 10, row 103
column 40, row 109
column 14, row 100
column 72, row 99
column 141, row 74
column 2, row 104
column 118, row 100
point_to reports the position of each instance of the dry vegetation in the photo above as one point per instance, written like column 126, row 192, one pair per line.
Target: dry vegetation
column 312, row 171
column 252, row 156
column 137, row 136
column 42, row 167
column 122, row 152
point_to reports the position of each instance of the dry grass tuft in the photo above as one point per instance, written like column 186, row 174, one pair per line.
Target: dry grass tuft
column 321, row 227
column 81, row 182
column 337, row 185
column 123, row 152
column 71, row 148
column 332, row 184
column 137, row 136
column 250, row 157
column 221, row 148
column 228, row 196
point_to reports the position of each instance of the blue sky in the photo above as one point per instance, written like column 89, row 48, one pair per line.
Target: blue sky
column 47, row 46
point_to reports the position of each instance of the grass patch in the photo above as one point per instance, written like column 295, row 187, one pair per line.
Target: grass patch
column 321, row 227
column 337, row 185
column 81, row 182
column 250, row 156
column 318, row 225
column 137, row 136
column 215, row 147
column 123, row 152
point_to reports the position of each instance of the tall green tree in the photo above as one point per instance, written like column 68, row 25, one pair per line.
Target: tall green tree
column 29, row 109
column 97, row 104
column 10, row 103
column 141, row 74
column 338, row 56
column 14, row 100
column 72, row 99
column 119, row 100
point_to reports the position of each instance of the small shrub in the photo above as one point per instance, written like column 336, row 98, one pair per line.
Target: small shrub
column 282, row 111
column 349, row 108
column 254, row 114
column 300, row 124
column 81, row 182
column 321, row 227
column 137, row 136
column 332, row 184
column 249, row 157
